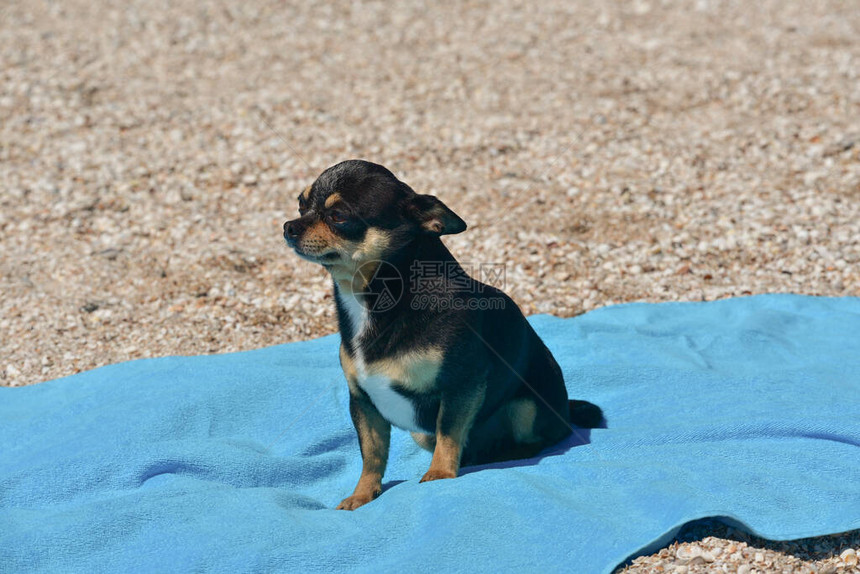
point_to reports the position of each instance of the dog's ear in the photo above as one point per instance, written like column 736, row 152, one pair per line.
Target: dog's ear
column 433, row 216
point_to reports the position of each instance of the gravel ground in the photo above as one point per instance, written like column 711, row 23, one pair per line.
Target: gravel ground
column 604, row 152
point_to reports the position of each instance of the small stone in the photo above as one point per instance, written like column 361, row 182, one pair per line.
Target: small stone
column 849, row 557
column 89, row 306
column 687, row 553
column 186, row 193
column 111, row 253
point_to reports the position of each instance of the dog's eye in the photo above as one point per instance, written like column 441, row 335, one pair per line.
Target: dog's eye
column 337, row 217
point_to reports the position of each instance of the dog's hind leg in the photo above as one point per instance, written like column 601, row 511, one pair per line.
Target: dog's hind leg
column 424, row 440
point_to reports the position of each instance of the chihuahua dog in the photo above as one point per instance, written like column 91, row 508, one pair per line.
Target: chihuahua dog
column 455, row 363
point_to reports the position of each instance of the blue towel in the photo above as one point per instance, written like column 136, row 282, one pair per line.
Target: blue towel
column 746, row 409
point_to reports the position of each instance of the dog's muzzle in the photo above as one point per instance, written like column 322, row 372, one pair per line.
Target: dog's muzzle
column 292, row 231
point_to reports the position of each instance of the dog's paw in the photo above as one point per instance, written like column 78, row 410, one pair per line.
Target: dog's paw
column 438, row 475
column 353, row 502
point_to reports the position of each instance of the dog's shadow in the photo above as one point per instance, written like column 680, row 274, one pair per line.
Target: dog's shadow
column 390, row 484
column 579, row 437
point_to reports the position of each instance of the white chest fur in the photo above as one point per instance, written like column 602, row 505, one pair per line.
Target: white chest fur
column 392, row 405
column 356, row 312
column 414, row 371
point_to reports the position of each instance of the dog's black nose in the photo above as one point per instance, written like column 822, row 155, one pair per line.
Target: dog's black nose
column 291, row 230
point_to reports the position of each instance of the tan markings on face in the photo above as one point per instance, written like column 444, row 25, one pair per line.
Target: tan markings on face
column 332, row 199
column 415, row 370
column 376, row 241
column 319, row 231
column 319, row 239
column 523, row 413
column 305, row 194
column 359, row 260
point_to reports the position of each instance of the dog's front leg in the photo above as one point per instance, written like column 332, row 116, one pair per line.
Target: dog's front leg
column 374, row 437
column 457, row 412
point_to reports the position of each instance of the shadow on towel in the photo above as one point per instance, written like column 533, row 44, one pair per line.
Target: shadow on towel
column 578, row 437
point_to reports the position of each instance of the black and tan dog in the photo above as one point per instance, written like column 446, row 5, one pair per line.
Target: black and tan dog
column 455, row 363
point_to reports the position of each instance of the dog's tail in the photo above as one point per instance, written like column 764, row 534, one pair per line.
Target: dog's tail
column 584, row 414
